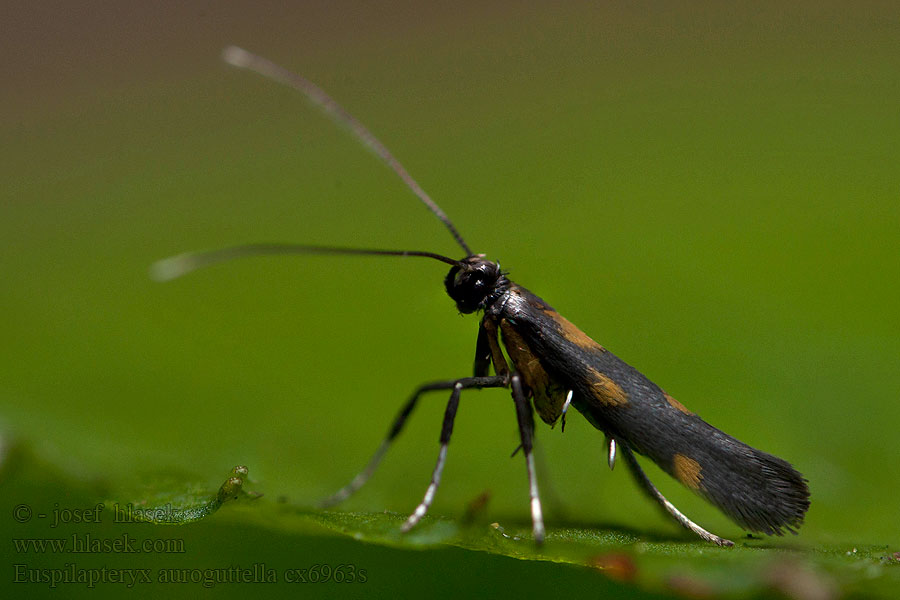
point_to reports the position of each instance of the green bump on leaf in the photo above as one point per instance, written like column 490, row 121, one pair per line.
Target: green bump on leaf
column 168, row 507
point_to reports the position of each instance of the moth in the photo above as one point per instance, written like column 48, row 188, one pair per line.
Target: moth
column 550, row 366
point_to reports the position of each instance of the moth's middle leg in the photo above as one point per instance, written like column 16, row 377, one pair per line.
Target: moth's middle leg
column 525, row 418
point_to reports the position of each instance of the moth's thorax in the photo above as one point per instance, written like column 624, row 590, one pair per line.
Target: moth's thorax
column 547, row 394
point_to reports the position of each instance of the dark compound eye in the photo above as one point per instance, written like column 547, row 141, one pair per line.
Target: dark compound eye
column 471, row 283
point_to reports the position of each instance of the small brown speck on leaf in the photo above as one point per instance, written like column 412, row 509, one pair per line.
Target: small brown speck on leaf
column 615, row 565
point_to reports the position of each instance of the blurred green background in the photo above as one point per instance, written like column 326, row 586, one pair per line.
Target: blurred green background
column 708, row 189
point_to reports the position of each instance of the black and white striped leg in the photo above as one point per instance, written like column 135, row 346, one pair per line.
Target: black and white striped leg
column 397, row 426
column 446, row 432
column 526, row 432
column 654, row 493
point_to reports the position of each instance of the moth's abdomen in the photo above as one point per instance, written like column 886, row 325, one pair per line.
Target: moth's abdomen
column 758, row 491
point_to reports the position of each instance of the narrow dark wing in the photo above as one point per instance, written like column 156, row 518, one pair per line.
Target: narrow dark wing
column 759, row 491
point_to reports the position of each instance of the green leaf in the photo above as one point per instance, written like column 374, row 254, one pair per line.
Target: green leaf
column 658, row 564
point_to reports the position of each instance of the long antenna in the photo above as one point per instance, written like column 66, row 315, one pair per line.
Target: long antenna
column 176, row 266
column 239, row 57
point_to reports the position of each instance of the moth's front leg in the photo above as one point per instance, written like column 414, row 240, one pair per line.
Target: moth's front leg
column 487, row 350
column 397, row 426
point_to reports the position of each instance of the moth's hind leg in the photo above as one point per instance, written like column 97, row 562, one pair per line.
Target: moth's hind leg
column 397, row 426
column 654, row 493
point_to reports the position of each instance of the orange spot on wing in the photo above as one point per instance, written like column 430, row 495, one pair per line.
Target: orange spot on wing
column 605, row 389
column 572, row 333
column 687, row 471
column 676, row 404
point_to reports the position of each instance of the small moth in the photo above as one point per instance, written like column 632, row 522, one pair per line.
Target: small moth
column 550, row 366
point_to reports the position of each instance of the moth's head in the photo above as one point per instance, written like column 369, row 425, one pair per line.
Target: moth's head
column 472, row 281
